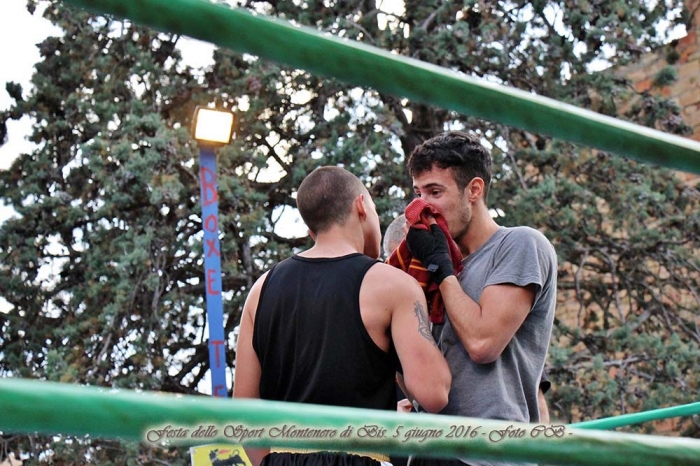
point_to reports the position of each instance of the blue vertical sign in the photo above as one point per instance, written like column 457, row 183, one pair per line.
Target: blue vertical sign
column 212, row 270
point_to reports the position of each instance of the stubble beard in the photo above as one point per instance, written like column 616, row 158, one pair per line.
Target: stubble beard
column 465, row 219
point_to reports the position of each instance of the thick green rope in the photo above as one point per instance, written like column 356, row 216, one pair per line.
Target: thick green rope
column 52, row 408
column 364, row 65
column 638, row 418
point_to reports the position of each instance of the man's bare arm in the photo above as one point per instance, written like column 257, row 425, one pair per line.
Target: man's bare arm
column 543, row 408
column 247, row 376
column 486, row 328
column 426, row 373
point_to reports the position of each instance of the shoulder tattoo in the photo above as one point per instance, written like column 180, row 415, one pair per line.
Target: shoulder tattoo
column 423, row 324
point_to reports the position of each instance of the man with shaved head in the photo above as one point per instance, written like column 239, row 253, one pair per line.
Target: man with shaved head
column 330, row 325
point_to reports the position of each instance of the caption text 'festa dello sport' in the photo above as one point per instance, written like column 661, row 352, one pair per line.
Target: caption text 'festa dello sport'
column 241, row 433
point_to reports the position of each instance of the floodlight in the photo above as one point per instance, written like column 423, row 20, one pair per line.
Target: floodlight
column 212, row 127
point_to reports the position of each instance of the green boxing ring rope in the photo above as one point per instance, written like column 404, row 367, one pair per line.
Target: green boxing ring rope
column 638, row 418
column 51, row 408
column 363, row 65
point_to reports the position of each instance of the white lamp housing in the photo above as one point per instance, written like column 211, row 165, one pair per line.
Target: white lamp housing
column 213, row 127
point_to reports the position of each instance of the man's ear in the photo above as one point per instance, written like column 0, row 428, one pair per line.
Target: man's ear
column 475, row 189
column 312, row 234
column 360, row 206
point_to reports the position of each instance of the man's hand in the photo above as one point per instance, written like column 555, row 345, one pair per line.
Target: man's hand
column 404, row 406
column 430, row 247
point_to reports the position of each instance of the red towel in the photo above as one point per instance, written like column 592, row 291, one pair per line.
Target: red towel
column 402, row 259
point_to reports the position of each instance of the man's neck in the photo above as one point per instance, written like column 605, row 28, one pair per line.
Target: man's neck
column 481, row 228
column 332, row 243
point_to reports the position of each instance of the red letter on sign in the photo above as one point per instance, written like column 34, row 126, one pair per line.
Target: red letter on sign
column 217, row 390
column 208, row 186
column 210, row 282
column 217, row 344
column 211, row 245
column 211, row 224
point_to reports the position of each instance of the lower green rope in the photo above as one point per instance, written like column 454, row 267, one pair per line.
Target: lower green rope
column 50, row 408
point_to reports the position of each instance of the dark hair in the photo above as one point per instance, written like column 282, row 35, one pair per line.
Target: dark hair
column 459, row 151
column 325, row 197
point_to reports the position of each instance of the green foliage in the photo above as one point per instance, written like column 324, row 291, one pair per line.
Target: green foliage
column 103, row 262
column 667, row 75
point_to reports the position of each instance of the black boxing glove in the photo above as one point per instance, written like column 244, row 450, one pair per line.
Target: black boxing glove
column 431, row 249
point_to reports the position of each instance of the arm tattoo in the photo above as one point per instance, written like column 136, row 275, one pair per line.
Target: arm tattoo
column 423, row 324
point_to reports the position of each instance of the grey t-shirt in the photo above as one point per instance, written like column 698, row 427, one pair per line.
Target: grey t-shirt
column 506, row 388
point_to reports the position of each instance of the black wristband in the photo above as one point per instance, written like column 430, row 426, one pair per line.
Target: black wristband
column 442, row 271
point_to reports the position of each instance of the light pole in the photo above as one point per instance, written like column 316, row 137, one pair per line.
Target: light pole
column 212, row 129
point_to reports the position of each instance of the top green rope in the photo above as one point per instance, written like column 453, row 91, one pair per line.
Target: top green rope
column 364, row 65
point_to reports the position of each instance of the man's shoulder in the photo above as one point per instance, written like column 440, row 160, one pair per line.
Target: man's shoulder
column 384, row 275
column 525, row 234
column 260, row 282
column 523, row 231
column 385, row 270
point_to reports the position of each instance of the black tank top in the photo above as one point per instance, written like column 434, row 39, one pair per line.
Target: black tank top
column 310, row 339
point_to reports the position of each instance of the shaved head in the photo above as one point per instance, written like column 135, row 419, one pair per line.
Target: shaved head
column 325, row 197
